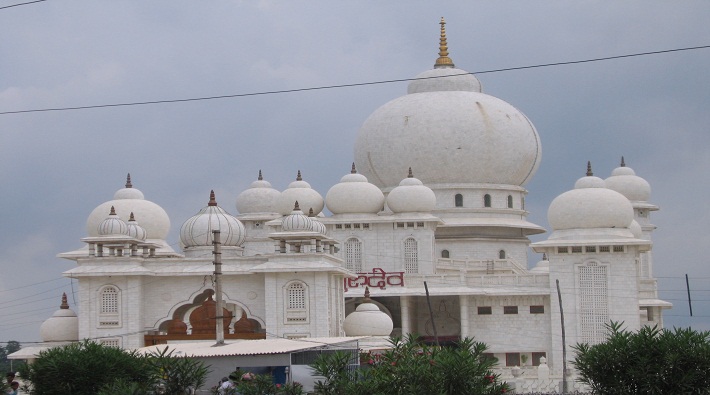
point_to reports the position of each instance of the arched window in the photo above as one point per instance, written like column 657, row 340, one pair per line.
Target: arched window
column 501, row 254
column 510, row 201
column 487, row 200
column 411, row 256
column 444, row 253
column 353, row 255
column 296, row 303
column 458, row 200
column 109, row 306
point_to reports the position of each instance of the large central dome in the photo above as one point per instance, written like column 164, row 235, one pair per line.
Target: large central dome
column 448, row 131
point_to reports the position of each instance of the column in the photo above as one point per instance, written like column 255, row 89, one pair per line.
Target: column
column 404, row 307
column 465, row 324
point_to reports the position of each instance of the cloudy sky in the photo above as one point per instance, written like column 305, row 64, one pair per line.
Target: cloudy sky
column 56, row 166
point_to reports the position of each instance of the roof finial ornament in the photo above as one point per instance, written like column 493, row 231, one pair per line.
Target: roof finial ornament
column 622, row 162
column 353, row 170
column 113, row 211
column 410, row 175
column 311, row 213
column 367, row 295
column 261, row 178
column 444, row 61
column 65, row 304
column 544, row 256
column 132, row 218
column 212, row 201
column 298, row 176
column 128, row 181
column 296, row 207
column 589, row 169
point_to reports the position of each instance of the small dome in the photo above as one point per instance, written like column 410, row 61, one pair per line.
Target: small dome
column 134, row 230
column 316, row 224
column 259, row 198
column 62, row 326
column 302, row 192
column 444, row 79
column 625, row 181
column 590, row 205
column 543, row 266
column 297, row 221
column 354, row 195
column 197, row 231
column 153, row 218
column 368, row 320
column 411, row 196
column 112, row 225
column 636, row 230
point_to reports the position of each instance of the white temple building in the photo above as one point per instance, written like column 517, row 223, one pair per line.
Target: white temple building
column 434, row 202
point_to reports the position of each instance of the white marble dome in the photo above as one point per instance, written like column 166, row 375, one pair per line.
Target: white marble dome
column 62, row 326
column 444, row 79
column 134, row 229
column 297, row 221
column 636, row 229
column 354, row 195
column 368, row 320
column 625, row 181
column 112, row 225
column 259, row 198
column 128, row 192
column 543, row 266
column 590, row 205
column 316, row 224
column 411, row 196
column 153, row 218
column 300, row 191
column 197, row 231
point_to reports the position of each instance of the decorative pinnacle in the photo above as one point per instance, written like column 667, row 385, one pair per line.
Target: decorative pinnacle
column 65, row 304
column 353, row 170
column 622, row 162
column 132, row 218
column 367, row 295
column 589, row 169
column 128, row 181
column 260, row 176
column 444, row 61
column 410, row 175
column 296, row 207
column 298, row 176
column 113, row 211
column 212, row 201
column 544, row 256
column 311, row 213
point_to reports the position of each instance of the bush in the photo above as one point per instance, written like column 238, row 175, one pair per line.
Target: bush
column 412, row 368
column 650, row 361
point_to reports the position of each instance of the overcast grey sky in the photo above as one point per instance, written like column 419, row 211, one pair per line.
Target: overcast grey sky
column 57, row 166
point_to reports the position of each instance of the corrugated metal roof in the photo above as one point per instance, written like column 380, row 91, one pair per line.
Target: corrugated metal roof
column 249, row 347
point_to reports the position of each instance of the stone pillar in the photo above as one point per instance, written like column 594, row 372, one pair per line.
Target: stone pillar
column 465, row 324
column 404, row 307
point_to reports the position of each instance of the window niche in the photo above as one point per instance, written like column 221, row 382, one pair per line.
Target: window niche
column 458, row 200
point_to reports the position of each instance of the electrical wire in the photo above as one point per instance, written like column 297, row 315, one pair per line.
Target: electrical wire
column 21, row 4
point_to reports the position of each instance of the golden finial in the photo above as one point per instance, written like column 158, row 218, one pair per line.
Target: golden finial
column 444, row 60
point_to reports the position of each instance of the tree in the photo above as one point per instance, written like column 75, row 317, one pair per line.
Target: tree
column 5, row 364
column 410, row 367
column 650, row 361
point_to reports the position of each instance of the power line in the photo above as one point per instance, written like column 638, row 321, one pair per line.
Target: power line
column 19, row 4
column 295, row 90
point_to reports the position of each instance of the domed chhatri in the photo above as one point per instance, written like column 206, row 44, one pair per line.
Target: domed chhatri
column 590, row 205
column 411, row 196
column 316, row 224
column 259, row 198
column 129, row 200
column 113, row 225
column 134, row 229
column 302, row 192
column 354, row 195
column 62, row 326
column 453, row 132
column 197, row 231
column 297, row 221
column 368, row 320
column 625, row 181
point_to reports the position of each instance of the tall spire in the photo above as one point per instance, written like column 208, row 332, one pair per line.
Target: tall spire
column 65, row 304
column 353, row 170
column 444, row 61
column 128, row 181
column 298, row 176
column 589, row 169
column 261, row 178
column 622, row 162
column 213, row 201
column 410, row 175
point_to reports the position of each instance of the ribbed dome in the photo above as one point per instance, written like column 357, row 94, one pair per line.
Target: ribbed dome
column 411, row 196
column 112, row 225
column 297, row 221
column 301, row 192
column 62, row 326
column 259, row 198
column 625, row 181
column 134, row 229
column 354, row 195
column 197, row 231
column 590, row 205
column 368, row 320
column 153, row 218
column 316, row 224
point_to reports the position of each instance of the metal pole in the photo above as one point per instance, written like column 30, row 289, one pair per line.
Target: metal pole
column 219, row 335
column 564, row 345
column 687, row 286
column 431, row 314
